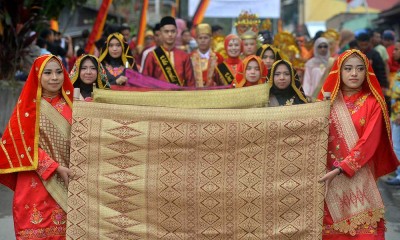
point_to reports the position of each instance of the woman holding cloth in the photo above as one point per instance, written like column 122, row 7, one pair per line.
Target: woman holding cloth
column 86, row 71
column 359, row 151
column 34, row 152
column 116, row 58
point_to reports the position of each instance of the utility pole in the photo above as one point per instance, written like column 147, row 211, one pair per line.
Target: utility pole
column 301, row 12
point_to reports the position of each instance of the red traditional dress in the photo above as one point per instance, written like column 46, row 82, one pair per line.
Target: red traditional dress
column 240, row 78
column 353, row 206
column 27, row 160
column 204, row 67
column 179, row 60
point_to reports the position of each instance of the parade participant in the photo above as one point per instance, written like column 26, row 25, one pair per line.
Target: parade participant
column 227, row 70
column 395, row 115
column 359, row 150
column 249, row 39
column 115, row 58
column 388, row 40
column 315, row 67
column 204, row 60
column 251, row 71
column 268, row 54
column 166, row 62
column 86, row 71
column 285, row 88
column 34, row 152
column 157, row 41
column 365, row 46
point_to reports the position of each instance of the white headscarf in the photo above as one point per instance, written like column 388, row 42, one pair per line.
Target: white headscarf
column 319, row 59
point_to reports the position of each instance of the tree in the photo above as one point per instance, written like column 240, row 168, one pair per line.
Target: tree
column 17, row 19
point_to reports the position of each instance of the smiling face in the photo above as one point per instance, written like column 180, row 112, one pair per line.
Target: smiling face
column 88, row 71
column 233, row 48
column 282, row 76
column 115, row 48
column 253, row 72
column 268, row 58
column 353, row 73
column 52, row 78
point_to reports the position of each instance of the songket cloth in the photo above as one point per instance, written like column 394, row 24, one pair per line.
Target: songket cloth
column 254, row 96
column 147, row 172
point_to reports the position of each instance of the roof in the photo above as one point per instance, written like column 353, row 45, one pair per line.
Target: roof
column 317, row 10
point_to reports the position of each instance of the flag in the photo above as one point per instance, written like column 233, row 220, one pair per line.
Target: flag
column 142, row 23
column 199, row 14
column 98, row 26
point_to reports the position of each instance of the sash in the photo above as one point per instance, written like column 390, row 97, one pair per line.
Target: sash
column 55, row 133
column 166, row 66
column 351, row 201
column 198, row 71
column 225, row 73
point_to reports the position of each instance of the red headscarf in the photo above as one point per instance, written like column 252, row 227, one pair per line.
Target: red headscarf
column 19, row 144
column 232, row 60
column 240, row 79
column 371, row 84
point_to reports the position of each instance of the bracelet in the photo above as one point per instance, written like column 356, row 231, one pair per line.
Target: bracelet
column 340, row 170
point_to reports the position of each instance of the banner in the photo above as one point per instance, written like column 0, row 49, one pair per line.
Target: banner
column 142, row 23
column 232, row 8
column 98, row 26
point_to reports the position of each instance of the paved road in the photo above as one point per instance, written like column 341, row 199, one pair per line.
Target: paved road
column 390, row 195
column 6, row 223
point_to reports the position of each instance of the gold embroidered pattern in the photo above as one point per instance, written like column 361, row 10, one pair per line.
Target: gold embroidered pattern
column 362, row 122
column 354, row 107
column 36, row 216
column 353, row 160
column 58, row 216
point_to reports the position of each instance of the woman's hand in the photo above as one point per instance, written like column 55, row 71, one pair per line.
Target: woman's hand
column 121, row 80
column 65, row 174
column 328, row 177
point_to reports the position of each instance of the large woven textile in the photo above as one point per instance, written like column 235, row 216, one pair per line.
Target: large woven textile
column 169, row 173
column 248, row 97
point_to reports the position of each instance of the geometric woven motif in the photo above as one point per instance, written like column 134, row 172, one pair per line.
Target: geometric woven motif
column 165, row 173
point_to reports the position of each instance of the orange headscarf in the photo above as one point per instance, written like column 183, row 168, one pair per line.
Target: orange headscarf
column 240, row 79
column 229, row 38
column 333, row 85
column 19, row 143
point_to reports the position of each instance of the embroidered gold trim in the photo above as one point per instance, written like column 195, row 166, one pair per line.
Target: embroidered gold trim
column 23, row 137
column 15, row 145
column 350, row 225
column 8, row 156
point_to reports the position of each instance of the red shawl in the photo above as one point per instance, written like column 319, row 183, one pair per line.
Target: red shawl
column 19, row 143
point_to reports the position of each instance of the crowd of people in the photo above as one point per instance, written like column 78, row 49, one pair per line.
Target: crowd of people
column 359, row 71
